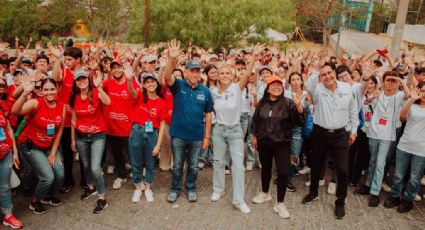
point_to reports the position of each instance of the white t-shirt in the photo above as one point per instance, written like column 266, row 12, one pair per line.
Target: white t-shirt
column 367, row 112
column 246, row 101
column 386, row 112
column 227, row 105
column 413, row 138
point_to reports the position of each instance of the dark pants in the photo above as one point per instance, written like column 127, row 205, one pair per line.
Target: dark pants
column 359, row 156
column 337, row 144
column 119, row 148
column 280, row 151
column 68, row 159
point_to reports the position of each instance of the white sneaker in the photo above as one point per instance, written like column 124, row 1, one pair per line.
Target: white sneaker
column 321, row 183
column 201, row 165
column 110, row 169
column 418, row 198
column 216, row 196
column 385, row 187
column 149, row 195
column 248, row 167
column 423, row 181
column 144, row 172
column 332, row 188
column 305, row 171
column 227, row 170
column 127, row 166
column 136, row 196
column 131, row 175
column 259, row 165
column 261, row 198
column 118, row 183
column 281, row 209
column 243, row 208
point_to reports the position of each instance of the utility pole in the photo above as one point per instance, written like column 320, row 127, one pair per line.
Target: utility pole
column 146, row 26
column 399, row 28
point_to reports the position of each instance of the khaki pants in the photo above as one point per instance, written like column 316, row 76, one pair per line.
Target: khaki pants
column 165, row 155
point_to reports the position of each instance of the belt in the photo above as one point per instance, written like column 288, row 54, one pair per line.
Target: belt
column 227, row 126
column 88, row 135
column 329, row 130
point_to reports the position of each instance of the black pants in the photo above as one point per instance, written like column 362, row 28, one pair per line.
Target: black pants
column 119, row 148
column 359, row 156
column 337, row 144
column 68, row 160
column 280, row 151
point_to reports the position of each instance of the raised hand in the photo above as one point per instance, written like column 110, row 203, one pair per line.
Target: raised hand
column 27, row 85
column 297, row 98
column 97, row 79
column 93, row 65
column 53, row 50
column 174, row 48
column 128, row 71
column 258, row 48
column 4, row 46
column 415, row 94
column 38, row 45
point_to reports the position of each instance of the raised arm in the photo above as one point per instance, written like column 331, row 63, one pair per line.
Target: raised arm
column 173, row 53
column 57, row 65
column 97, row 82
column 128, row 73
column 244, row 78
column 22, row 106
column 404, row 113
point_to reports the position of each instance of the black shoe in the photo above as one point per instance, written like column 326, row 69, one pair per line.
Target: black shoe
column 339, row 211
column 405, row 206
column 309, row 198
column 37, row 207
column 373, row 201
column 52, row 201
column 101, row 205
column 392, row 202
column 290, row 187
column 88, row 193
column 363, row 190
column 65, row 188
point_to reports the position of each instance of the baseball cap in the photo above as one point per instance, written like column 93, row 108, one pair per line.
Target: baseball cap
column 192, row 64
column 240, row 61
column 265, row 67
column 80, row 73
column 18, row 71
column 116, row 61
column 149, row 75
column 149, row 58
column 272, row 79
column 26, row 60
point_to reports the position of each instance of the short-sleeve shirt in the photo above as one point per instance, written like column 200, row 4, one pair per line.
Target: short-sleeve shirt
column 227, row 105
column 412, row 139
column 88, row 112
column 155, row 111
column 64, row 93
column 190, row 106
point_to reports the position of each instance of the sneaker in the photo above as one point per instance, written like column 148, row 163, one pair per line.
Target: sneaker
column 88, row 193
column 332, row 188
column 248, row 167
column 192, row 196
column 13, row 222
column 149, row 195
column 127, row 166
column 216, row 196
column 385, row 187
column 305, row 171
column 281, row 209
column 110, row 169
column 339, row 211
column 363, row 190
column 118, row 183
column 423, row 181
column 373, row 201
column 290, row 187
column 136, row 196
column 321, row 183
column 392, row 202
column 226, row 170
column 418, row 198
column 52, row 201
column 101, row 205
column 243, row 208
column 172, row 197
column 309, row 198
column 405, row 206
column 201, row 165
column 37, row 207
column 66, row 188
column 261, row 197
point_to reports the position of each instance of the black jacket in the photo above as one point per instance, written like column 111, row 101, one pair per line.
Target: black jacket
column 274, row 120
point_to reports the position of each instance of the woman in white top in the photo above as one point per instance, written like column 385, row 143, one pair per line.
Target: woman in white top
column 410, row 152
column 228, row 132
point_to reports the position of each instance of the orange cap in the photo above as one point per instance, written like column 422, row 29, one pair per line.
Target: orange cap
column 272, row 79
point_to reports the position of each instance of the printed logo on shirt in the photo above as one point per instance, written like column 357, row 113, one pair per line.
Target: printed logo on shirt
column 153, row 112
column 48, row 120
column 200, row 97
column 123, row 94
column 90, row 109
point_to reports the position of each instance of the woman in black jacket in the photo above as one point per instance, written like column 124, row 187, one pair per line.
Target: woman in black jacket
column 272, row 124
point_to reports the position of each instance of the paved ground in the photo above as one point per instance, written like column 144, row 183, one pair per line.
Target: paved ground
column 122, row 214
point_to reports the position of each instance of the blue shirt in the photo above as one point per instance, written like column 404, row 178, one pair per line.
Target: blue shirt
column 190, row 105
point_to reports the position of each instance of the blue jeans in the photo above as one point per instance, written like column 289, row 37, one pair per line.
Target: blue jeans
column 140, row 146
column 296, row 147
column 251, row 154
column 49, row 179
column 417, row 165
column 209, row 151
column 184, row 151
column 245, row 123
column 91, row 148
column 231, row 136
column 378, row 154
column 5, row 193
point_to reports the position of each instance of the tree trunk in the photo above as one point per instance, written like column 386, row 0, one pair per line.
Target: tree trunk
column 147, row 23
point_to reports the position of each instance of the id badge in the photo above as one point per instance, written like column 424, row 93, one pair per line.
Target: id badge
column 50, row 129
column 383, row 121
column 148, row 127
column 2, row 134
column 368, row 116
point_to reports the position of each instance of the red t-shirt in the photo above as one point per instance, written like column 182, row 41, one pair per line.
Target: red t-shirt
column 37, row 128
column 169, row 102
column 89, row 116
column 155, row 110
column 64, row 93
column 118, row 113
column 13, row 118
column 5, row 145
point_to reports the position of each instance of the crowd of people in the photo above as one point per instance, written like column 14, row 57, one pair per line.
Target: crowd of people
column 119, row 108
